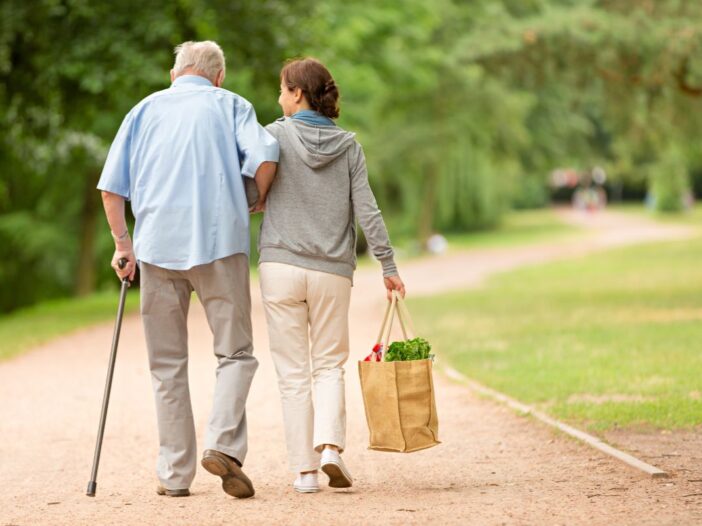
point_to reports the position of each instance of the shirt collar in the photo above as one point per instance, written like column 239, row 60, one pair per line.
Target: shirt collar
column 191, row 79
column 312, row 117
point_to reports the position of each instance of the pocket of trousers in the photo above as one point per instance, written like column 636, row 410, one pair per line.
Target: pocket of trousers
column 147, row 298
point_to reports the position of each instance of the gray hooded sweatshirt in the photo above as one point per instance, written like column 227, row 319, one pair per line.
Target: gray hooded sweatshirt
column 320, row 190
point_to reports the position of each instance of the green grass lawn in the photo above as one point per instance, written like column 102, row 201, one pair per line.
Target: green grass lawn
column 690, row 217
column 32, row 326
column 612, row 339
column 517, row 228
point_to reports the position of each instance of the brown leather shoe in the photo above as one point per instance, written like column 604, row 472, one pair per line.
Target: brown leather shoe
column 173, row 492
column 234, row 481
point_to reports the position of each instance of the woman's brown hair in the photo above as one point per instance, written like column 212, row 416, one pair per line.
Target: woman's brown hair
column 316, row 83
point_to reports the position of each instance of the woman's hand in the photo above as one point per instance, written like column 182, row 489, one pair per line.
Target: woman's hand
column 394, row 283
column 260, row 206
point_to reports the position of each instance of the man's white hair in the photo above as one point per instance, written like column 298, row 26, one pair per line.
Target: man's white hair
column 204, row 57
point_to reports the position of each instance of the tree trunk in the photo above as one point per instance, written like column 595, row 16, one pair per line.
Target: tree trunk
column 85, row 271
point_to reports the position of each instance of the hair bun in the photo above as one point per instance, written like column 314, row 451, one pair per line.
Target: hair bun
column 329, row 86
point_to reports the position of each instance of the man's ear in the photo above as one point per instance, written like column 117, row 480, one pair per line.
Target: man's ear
column 220, row 79
column 173, row 75
column 298, row 95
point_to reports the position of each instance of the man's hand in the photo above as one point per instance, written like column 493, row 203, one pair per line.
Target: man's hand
column 394, row 283
column 124, row 249
column 114, row 210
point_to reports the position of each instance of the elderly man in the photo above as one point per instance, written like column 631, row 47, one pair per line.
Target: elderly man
column 179, row 156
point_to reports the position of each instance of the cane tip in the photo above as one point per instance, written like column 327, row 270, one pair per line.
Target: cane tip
column 92, row 487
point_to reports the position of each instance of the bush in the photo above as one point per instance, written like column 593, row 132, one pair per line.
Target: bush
column 531, row 192
column 669, row 182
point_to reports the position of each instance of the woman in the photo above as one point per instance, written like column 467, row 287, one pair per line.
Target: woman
column 307, row 247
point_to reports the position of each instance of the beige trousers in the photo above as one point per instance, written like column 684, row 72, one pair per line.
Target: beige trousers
column 307, row 313
column 223, row 289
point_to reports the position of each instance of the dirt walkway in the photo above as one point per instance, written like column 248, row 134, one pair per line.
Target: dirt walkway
column 494, row 467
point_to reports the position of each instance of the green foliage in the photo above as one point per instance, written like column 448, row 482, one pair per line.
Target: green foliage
column 402, row 351
column 669, row 182
column 69, row 73
column 530, row 192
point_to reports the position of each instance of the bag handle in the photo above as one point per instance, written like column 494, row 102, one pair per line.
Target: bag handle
column 395, row 307
column 379, row 339
column 397, row 304
column 404, row 315
column 386, row 339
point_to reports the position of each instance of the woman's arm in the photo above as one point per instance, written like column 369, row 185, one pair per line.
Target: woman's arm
column 263, row 179
column 370, row 219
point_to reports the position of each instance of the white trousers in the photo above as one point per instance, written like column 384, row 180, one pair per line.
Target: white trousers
column 307, row 314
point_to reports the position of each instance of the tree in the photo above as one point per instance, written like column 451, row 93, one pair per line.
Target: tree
column 64, row 89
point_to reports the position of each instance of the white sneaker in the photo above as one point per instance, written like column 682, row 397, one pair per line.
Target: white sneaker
column 307, row 483
column 334, row 467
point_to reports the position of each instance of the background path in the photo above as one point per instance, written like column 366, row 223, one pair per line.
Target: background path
column 494, row 466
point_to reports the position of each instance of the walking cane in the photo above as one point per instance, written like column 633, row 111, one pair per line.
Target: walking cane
column 92, row 485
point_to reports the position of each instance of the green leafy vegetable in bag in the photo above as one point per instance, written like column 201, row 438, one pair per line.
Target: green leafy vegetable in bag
column 414, row 349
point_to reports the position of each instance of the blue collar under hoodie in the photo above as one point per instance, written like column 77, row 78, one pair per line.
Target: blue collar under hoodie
column 313, row 117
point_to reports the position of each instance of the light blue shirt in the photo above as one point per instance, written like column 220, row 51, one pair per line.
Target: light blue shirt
column 179, row 156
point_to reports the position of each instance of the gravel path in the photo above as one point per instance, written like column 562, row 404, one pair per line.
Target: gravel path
column 494, row 466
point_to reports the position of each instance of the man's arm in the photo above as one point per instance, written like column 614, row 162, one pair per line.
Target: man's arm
column 265, row 174
column 114, row 210
column 115, row 186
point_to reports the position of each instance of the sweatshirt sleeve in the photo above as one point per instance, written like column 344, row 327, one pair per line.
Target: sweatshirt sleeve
column 369, row 217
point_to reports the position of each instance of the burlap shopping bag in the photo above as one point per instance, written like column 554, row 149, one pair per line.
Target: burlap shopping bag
column 399, row 396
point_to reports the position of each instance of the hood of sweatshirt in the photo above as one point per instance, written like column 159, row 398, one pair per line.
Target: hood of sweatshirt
column 317, row 146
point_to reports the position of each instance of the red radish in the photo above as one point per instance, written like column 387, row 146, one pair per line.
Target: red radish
column 376, row 355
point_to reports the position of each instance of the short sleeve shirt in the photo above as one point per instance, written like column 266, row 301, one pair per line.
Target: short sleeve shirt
column 179, row 156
